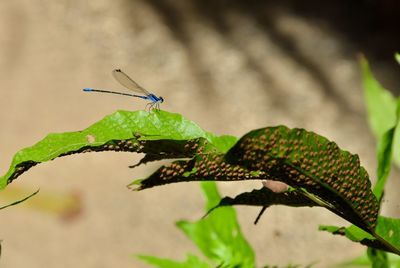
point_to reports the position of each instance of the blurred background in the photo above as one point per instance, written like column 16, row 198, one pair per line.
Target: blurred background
column 230, row 66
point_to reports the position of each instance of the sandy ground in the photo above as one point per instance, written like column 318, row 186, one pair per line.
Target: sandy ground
column 229, row 78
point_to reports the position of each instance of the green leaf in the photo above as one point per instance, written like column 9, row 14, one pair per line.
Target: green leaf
column 378, row 258
column 384, row 156
column 212, row 195
column 388, row 146
column 381, row 105
column 361, row 261
column 386, row 235
column 389, row 229
column 313, row 165
column 191, row 262
column 383, row 109
column 218, row 235
column 160, row 135
column 397, row 57
column 309, row 163
column 353, row 233
column 396, row 138
column 304, row 160
column 364, row 261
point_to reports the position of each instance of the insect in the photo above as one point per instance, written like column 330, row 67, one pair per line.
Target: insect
column 130, row 84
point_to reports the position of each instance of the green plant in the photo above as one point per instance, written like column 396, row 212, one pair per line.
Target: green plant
column 318, row 172
column 218, row 236
column 383, row 116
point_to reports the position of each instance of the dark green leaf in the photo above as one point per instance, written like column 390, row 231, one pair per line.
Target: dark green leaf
column 378, row 258
column 264, row 197
column 312, row 164
column 309, row 163
column 203, row 167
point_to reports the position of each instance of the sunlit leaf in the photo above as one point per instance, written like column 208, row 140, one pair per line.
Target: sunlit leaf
column 218, row 235
column 160, row 135
column 381, row 105
column 191, row 262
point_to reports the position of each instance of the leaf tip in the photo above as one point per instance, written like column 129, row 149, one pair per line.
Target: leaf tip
column 136, row 185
